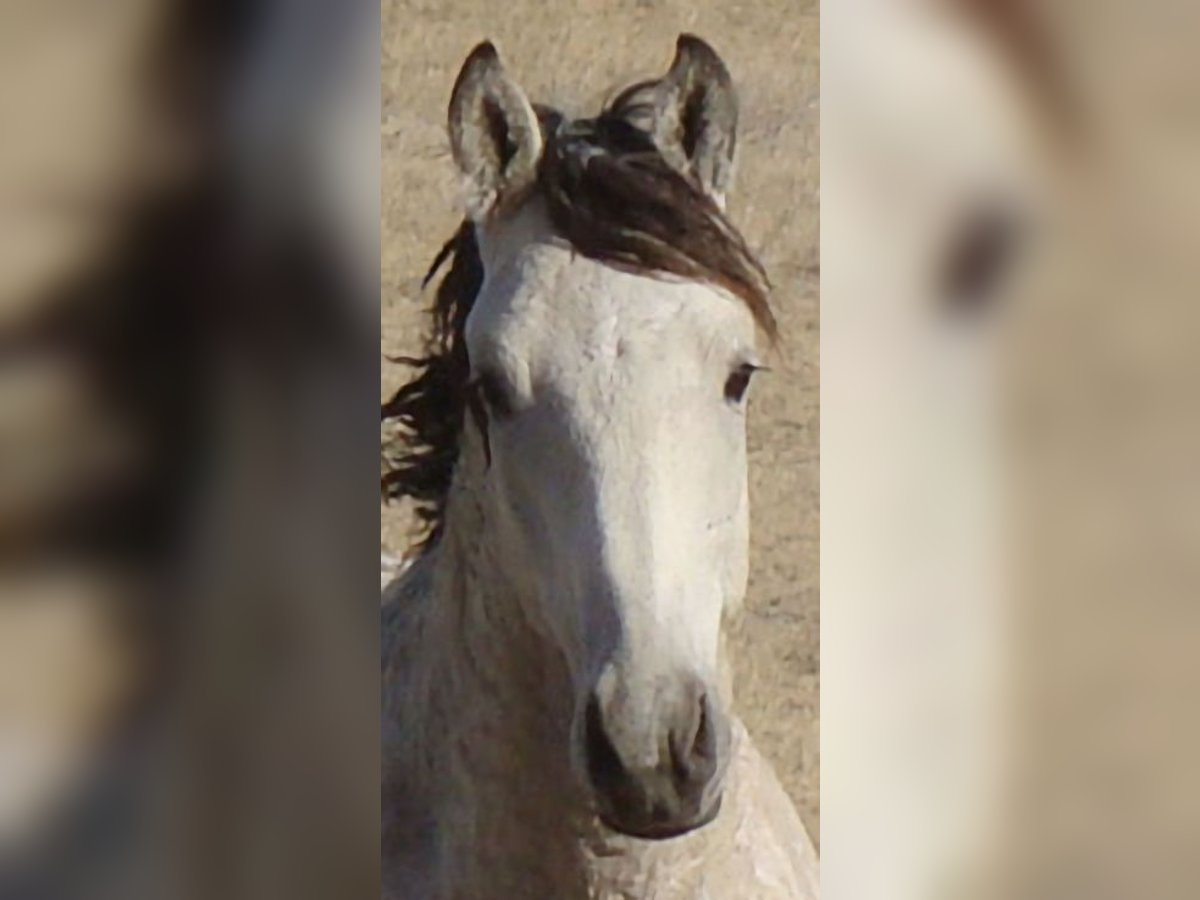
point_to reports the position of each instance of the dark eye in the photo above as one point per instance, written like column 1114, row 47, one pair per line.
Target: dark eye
column 978, row 257
column 738, row 382
column 489, row 388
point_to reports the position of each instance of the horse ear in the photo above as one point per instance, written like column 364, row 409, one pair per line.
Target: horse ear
column 494, row 133
column 695, row 116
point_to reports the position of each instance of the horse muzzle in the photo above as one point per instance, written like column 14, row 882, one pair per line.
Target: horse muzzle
column 663, row 779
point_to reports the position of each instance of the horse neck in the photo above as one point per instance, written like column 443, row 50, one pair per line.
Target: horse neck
column 503, row 697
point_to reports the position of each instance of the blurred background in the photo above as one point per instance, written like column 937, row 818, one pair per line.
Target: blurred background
column 188, row 392
column 1009, row 468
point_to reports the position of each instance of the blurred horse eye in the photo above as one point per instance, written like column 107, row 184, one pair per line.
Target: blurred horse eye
column 980, row 254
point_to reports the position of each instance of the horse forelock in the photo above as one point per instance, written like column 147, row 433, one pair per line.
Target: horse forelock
column 612, row 197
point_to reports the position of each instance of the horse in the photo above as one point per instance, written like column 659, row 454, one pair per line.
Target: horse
column 556, row 696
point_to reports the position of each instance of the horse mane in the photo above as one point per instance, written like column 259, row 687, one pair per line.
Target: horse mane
column 614, row 198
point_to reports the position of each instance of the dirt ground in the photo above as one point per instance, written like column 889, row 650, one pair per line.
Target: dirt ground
column 573, row 58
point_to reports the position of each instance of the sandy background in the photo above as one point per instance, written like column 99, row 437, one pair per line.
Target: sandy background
column 572, row 57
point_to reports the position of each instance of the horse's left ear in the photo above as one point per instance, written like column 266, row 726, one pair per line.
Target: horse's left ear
column 695, row 116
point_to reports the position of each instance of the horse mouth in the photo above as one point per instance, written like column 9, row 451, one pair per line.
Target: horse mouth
column 659, row 830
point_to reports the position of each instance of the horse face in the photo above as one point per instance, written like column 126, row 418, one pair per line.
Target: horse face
column 613, row 410
column 608, row 408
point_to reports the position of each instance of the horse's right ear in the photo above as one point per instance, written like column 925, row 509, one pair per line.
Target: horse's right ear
column 494, row 134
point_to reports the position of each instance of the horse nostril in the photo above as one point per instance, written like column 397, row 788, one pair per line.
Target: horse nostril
column 604, row 765
column 694, row 747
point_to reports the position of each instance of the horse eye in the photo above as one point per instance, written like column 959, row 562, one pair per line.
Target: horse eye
column 738, row 382
column 978, row 258
column 493, row 392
